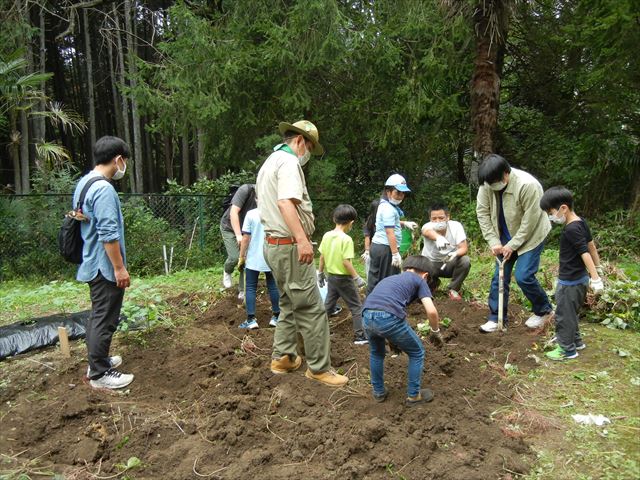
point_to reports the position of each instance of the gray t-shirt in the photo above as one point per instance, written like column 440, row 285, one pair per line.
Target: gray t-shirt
column 245, row 199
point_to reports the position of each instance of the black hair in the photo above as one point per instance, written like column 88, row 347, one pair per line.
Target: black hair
column 289, row 134
column 555, row 197
column 492, row 169
column 344, row 214
column 370, row 224
column 419, row 263
column 107, row 148
column 439, row 206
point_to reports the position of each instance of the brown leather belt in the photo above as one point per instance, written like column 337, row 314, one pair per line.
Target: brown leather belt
column 280, row 240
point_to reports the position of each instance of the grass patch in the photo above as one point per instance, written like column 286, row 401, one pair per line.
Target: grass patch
column 600, row 381
column 144, row 300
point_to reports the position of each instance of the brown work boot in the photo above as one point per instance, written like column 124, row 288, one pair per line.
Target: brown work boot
column 330, row 378
column 285, row 365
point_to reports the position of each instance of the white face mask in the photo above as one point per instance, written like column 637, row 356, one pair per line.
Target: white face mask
column 393, row 201
column 304, row 158
column 559, row 220
column 119, row 173
column 497, row 186
column 439, row 226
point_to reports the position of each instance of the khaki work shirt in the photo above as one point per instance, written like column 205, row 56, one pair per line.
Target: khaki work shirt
column 528, row 224
column 281, row 178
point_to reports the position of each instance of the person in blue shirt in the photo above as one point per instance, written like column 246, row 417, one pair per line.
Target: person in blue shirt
column 384, row 253
column 252, row 262
column 385, row 318
column 104, row 265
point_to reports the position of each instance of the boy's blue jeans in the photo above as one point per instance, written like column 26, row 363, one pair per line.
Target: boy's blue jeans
column 380, row 325
column 251, row 285
column 526, row 267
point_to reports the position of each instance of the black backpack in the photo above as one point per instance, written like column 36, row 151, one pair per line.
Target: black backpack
column 70, row 241
column 226, row 202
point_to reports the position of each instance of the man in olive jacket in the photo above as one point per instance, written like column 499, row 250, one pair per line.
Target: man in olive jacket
column 514, row 226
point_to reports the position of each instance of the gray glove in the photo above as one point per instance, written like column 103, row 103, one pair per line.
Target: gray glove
column 322, row 279
column 360, row 283
column 597, row 286
column 436, row 338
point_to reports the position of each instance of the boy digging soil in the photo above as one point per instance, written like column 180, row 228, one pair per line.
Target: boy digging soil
column 384, row 318
column 336, row 254
column 579, row 268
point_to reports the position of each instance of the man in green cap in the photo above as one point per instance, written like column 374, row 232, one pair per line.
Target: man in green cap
column 286, row 213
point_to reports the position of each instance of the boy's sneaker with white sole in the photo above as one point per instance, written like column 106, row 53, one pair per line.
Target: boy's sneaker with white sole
column 112, row 379
column 274, row 320
column 249, row 324
column 489, row 327
column 114, row 362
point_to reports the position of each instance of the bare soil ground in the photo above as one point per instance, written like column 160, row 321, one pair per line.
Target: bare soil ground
column 204, row 404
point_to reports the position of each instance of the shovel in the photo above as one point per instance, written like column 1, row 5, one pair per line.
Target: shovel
column 500, row 295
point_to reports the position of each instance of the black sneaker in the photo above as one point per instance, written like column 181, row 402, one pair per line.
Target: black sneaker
column 360, row 340
column 381, row 398
column 335, row 311
column 424, row 396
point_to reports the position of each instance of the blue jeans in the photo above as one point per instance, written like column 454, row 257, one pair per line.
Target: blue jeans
column 251, row 285
column 378, row 326
column 526, row 267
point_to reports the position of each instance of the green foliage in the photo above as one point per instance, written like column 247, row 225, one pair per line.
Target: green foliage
column 619, row 305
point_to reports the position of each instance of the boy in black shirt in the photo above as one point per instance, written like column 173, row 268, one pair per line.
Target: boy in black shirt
column 579, row 268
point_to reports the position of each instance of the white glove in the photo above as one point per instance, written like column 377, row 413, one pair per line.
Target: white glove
column 450, row 256
column 597, row 286
column 396, row 260
column 411, row 225
column 600, row 271
column 365, row 256
column 442, row 243
column 359, row 281
column 322, row 279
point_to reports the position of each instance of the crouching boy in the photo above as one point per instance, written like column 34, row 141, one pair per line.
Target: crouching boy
column 579, row 268
column 384, row 318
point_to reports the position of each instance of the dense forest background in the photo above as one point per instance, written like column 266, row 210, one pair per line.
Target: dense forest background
column 424, row 88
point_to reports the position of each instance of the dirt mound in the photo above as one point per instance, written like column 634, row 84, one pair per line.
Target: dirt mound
column 204, row 403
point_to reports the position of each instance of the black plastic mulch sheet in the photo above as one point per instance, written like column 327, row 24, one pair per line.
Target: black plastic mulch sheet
column 40, row 332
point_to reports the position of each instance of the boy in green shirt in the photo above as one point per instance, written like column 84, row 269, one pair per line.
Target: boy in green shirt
column 342, row 280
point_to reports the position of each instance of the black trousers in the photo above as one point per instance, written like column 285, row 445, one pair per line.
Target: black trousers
column 106, row 302
column 379, row 265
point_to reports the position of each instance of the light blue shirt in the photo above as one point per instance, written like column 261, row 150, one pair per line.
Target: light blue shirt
column 387, row 216
column 255, row 253
column 102, row 207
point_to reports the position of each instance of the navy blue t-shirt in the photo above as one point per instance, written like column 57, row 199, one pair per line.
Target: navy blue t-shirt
column 394, row 293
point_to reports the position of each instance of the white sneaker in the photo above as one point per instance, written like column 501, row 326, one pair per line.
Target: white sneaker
column 114, row 361
column 241, row 296
column 536, row 321
column 112, row 380
column 227, row 280
column 489, row 327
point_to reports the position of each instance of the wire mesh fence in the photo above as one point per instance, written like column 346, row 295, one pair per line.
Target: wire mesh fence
column 187, row 227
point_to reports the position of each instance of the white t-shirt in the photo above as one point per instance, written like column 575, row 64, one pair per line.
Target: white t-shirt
column 255, row 256
column 454, row 234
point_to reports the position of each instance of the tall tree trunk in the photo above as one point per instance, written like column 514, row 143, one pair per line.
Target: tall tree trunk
column 137, row 134
column 168, row 155
column 24, row 152
column 125, row 101
column 117, row 109
column 14, row 151
column 90, row 89
column 186, row 167
column 39, row 130
column 200, row 169
column 490, row 21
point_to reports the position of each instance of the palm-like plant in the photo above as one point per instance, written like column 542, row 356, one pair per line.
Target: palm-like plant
column 20, row 92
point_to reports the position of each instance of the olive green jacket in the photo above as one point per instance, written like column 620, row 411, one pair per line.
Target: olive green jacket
column 528, row 224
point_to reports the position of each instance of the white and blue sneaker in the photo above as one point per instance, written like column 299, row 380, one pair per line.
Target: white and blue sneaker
column 249, row 324
column 274, row 321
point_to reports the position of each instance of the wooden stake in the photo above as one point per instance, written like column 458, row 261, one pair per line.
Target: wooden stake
column 64, row 342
